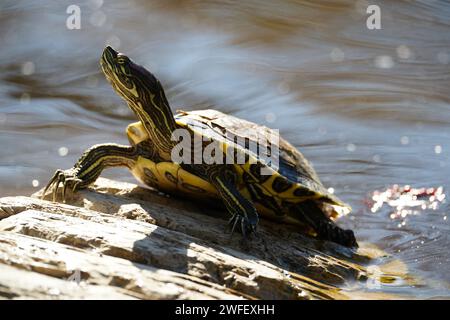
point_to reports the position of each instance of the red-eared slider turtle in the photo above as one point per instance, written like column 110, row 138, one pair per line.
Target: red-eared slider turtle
column 292, row 192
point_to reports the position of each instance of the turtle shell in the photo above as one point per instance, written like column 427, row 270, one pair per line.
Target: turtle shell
column 294, row 180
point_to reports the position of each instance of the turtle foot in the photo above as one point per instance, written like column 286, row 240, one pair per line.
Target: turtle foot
column 331, row 232
column 67, row 178
column 247, row 226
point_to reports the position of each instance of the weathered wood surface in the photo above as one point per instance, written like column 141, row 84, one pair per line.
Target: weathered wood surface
column 129, row 242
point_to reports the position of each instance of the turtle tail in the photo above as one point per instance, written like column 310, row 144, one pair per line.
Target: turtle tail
column 326, row 229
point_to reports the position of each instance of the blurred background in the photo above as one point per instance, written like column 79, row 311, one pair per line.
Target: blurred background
column 369, row 108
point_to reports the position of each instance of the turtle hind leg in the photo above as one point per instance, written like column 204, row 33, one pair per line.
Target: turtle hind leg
column 89, row 166
column 325, row 228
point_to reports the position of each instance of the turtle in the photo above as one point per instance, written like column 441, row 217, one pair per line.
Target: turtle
column 289, row 193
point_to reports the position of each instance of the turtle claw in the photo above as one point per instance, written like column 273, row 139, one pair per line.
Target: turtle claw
column 247, row 226
column 66, row 178
column 52, row 180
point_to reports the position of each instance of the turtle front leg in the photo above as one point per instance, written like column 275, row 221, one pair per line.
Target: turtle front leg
column 89, row 167
column 243, row 212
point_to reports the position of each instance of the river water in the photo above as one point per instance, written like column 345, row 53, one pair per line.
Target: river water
column 369, row 108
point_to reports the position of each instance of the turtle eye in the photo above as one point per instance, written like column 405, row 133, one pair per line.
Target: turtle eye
column 122, row 59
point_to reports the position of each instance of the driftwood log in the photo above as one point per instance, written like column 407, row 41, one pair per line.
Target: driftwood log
column 120, row 241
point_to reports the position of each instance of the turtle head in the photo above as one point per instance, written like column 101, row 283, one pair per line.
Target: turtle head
column 143, row 93
column 131, row 81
